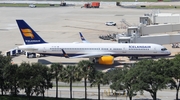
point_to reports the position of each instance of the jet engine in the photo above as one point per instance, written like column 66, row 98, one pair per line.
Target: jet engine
column 106, row 60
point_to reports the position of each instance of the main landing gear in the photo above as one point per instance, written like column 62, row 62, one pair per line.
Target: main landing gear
column 93, row 60
column 133, row 57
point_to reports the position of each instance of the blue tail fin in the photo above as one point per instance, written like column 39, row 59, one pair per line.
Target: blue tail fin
column 28, row 34
column 82, row 38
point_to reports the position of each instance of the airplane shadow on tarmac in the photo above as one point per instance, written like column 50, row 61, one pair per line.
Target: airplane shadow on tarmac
column 116, row 62
column 46, row 62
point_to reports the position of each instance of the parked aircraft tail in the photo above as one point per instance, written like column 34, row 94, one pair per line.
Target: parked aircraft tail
column 82, row 38
column 28, row 34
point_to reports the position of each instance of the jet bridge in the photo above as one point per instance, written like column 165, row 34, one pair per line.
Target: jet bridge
column 156, row 17
column 151, row 24
column 158, row 39
column 157, row 22
column 163, row 28
column 142, row 29
column 144, row 34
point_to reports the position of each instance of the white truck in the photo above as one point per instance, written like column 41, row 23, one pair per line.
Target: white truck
column 32, row 6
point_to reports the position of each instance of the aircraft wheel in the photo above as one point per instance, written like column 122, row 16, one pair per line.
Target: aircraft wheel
column 27, row 56
column 34, row 55
column 94, row 60
column 153, row 56
column 131, row 58
column 136, row 57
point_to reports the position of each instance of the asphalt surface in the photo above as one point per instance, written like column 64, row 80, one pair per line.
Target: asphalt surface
column 63, row 24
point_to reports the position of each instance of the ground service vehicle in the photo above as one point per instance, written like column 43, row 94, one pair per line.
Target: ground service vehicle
column 110, row 23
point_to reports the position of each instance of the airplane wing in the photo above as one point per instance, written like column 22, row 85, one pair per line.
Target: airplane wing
column 98, row 54
column 82, row 38
column 92, row 55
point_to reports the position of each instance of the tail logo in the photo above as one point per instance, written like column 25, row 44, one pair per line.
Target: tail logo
column 65, row 55
column 27, row 33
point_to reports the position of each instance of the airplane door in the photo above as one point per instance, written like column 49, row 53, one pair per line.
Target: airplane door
column 124, row 50
column 155, row 51
column 44, row 49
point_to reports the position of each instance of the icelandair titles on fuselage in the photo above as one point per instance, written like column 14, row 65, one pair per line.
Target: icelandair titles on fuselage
column 139, row 46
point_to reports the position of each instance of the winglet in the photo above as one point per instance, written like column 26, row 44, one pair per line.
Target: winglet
column 82, row 38
column 64, row 53
column 28, row 34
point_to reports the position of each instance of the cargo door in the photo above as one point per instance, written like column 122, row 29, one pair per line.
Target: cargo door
column 124, row 50
column 155, row 51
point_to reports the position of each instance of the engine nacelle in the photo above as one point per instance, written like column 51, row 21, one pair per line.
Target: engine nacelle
column 106, row 60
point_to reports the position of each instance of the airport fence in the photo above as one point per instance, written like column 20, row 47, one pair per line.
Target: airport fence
column 105, row 95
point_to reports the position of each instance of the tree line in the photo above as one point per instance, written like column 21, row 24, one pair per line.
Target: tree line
column 146, row 75
column 35, row 78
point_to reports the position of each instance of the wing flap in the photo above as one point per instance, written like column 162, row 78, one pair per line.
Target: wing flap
column 88, row 55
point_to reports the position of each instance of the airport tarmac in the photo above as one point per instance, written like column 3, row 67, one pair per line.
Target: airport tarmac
column 63, row 24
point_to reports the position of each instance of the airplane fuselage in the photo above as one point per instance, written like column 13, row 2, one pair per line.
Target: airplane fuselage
column 114, row 49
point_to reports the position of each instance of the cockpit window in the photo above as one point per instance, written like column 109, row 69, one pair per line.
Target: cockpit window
column 163, row 49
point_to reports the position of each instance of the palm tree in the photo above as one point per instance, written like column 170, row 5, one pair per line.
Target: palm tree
column 48, row 76
column 70, row 76
column 56, row 69
column 85, row 69
column 98, row 79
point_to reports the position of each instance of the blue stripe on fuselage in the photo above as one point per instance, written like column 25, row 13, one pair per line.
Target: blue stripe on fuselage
column 115, row 55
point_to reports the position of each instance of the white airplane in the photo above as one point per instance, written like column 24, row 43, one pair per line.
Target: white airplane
column 85, row 41
column 103, row 53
